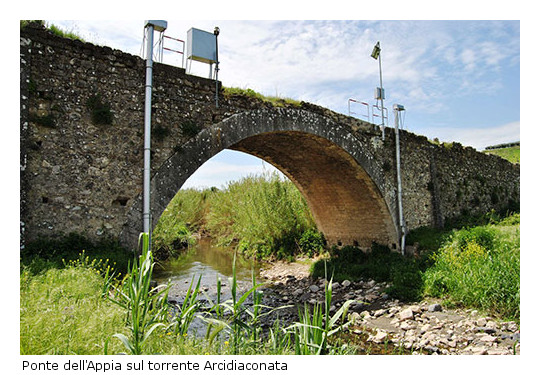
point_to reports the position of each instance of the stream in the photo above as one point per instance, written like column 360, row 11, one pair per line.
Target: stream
column 210, row 263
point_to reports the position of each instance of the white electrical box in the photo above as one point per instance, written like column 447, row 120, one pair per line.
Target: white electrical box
column 201, row 46
column 379, row 93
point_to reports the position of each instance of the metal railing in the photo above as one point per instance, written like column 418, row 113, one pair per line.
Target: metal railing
column 362, row 104
column 181, row 52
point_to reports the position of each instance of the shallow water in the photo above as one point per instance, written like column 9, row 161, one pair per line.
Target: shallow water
column 208, row 262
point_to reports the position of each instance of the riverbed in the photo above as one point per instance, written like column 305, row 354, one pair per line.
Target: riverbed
column 382, row 325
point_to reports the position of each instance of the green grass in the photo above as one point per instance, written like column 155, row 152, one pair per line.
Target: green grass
column 475, row 267
column 62, row 312
column 54, row 29
column 480, row 267
column 77, row 310
column 274, row 100
column 82, row 309
column 53, row 252
column 512, row 154
column 184, row 215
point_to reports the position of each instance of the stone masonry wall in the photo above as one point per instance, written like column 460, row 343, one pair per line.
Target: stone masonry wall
column 78, row 176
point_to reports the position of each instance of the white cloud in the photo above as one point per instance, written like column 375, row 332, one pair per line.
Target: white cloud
column 217, row 172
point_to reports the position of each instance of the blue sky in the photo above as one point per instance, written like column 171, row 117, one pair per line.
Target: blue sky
column 458, row 80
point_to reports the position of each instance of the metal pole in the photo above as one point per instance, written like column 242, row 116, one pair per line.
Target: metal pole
column 147, row 130
column 397, row 109
column 382, row 95
column 216, row 33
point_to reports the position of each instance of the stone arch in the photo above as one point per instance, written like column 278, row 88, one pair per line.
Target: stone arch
column 339, row 177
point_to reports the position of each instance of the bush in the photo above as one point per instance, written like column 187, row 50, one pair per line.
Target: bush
column 312, row 242
column 483, row 236
column 478, row 267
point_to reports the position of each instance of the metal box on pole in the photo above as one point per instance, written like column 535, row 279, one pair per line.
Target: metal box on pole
column 379, row 94
column 158, row 25
column 201, row 46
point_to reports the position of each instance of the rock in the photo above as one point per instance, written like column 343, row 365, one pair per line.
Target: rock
column 406, row 326
column 393, row 310
column 346, row 283
column 379, row 338
column 314, row 288
column 481, row 322
column 365, row 314
column 406, row 314
column 434, row 307
column 426, row 327
column 488, row 338
column 354, row 317
column 512, row 326
column 371, row 297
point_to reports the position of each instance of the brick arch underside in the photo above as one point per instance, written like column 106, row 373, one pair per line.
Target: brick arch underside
column 345, row 203
column 313, row 152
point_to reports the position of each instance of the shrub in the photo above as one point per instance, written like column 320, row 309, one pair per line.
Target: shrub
column 478, row 267
column 312, row 242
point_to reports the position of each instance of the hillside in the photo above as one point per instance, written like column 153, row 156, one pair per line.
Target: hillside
column 509, row 153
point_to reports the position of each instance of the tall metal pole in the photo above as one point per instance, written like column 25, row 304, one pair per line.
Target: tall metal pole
column 216, row 33
column 147, row 129
column 376, row 54
column 382, row 94
column 402, row 230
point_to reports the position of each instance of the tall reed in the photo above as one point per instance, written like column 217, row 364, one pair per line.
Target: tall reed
column 146, row 307
column 314, row 328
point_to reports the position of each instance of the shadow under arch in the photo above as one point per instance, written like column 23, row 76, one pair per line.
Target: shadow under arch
column 339, row 177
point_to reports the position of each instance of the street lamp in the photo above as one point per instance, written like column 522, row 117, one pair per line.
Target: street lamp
column 402, row 230
column 379, row 93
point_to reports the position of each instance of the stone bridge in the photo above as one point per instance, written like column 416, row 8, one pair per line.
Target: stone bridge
column 82, row 116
